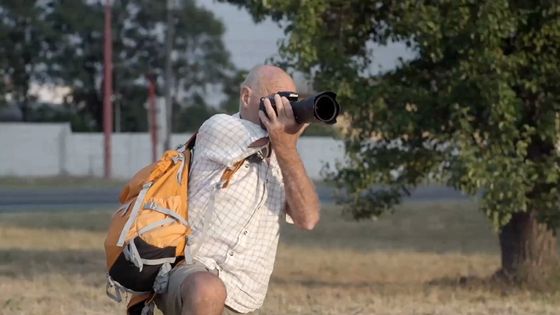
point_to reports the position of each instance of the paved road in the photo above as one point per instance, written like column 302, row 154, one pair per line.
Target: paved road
column 51, row 199
column 65, row 198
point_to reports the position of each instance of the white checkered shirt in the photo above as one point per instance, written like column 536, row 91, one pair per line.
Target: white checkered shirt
column 235, row 228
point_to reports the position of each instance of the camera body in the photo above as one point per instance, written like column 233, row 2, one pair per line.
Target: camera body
column 321, row 107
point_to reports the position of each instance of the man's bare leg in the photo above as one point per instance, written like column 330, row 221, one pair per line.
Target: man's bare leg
column 203, row 293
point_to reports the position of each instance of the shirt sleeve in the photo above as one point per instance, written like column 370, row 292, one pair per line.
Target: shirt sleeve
column 225, row 139
column 289, row 219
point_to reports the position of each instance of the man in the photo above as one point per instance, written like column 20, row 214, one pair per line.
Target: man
column 236, row 226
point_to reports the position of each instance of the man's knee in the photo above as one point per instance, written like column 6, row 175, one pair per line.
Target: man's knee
column 203, row 288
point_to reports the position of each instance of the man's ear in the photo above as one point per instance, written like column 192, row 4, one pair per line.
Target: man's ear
column 245, row 95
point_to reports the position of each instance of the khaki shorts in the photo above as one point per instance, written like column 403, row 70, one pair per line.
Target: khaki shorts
column 171, row 303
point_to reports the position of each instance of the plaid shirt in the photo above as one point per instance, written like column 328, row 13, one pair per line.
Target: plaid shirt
column 235, row 229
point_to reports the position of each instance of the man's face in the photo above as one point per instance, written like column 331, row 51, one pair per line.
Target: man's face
column 251, row 110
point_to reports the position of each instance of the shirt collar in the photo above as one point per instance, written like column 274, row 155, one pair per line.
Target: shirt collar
column 254, row 129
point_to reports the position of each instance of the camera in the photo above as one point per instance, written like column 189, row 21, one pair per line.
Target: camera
column 321, row 107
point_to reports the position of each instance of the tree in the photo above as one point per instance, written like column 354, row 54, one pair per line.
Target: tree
column 199, row 56
column 25, row 44
column 230, row 104
column 477, row 108
column 61, row 42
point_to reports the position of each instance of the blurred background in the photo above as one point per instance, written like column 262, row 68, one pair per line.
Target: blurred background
column 439, row 183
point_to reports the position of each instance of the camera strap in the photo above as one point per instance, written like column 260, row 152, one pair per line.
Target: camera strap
column 260, row 155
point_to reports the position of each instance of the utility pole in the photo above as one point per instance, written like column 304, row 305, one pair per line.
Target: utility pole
column 107, row 91
column 153, row 115
column 168, row 72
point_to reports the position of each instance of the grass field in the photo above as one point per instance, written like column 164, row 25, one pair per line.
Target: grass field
column 413, row 262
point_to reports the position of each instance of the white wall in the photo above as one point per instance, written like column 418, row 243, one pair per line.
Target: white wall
column 316, row 152
column 33, row 149
column 45, row 149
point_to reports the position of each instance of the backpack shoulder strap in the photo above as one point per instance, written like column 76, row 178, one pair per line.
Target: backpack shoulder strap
column 229, row 172
column 191, row 142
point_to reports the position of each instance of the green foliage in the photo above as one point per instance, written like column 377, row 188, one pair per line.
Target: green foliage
column 66, row 47
column 191, row 118
column 321, row 130
column 199, row 56
column 26, row 41
column 476, row 108
column 232, row 87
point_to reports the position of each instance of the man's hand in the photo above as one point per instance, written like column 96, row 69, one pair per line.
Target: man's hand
column 282, row 128
column 301, row 198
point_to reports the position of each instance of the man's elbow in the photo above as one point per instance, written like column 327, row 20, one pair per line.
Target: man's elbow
column 309, row 224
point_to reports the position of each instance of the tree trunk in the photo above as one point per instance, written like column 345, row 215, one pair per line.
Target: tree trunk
column 529, row 249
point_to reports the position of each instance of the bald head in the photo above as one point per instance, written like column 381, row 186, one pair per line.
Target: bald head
column 262, row 81
column 267, row 78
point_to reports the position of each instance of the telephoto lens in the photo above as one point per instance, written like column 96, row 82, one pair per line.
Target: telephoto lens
column 321, row 107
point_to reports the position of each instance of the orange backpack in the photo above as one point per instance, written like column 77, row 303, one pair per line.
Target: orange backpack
column 148, row 233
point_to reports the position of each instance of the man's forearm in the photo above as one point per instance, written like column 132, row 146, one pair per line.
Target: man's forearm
column 301, row 197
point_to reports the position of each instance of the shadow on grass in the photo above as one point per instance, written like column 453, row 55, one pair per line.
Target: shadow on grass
column 438, row 227
column 93, row 220
column 501, row 285
column 315, row 283
column 23, row 263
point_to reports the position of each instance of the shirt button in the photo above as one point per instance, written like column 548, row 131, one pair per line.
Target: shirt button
column 231, row 253
column 245, row 232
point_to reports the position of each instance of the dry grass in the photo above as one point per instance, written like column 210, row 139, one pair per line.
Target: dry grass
column 53, row 264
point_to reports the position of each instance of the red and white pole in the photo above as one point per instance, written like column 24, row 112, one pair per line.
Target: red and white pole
column 107, row 91
column 153, row 115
